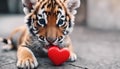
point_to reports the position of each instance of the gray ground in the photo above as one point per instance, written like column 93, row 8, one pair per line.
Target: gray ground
column 96, row 49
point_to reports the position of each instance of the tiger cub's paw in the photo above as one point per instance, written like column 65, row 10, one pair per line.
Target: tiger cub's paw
column 27, row 63
column 26, row 59
column 73, row 57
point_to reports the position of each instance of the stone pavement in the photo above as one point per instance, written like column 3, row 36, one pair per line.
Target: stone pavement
column 96, row 49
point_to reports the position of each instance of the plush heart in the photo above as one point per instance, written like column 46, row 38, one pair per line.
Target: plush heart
column 58, row 56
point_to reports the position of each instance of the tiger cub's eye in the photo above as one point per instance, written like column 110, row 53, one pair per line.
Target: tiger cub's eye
column 60, row 22
column 42, row 22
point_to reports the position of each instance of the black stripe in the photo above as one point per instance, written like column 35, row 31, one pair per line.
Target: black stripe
column 31, row 31
column 24, row 5
column 5, row 41
column 43, row 5
column 29, row 21
column 70, row 24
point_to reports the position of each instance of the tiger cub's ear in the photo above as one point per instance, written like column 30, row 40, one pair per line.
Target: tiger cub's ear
column 73, row 5
column 28, row 5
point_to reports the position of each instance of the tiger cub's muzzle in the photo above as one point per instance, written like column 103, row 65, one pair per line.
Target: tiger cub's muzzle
column 51, row 40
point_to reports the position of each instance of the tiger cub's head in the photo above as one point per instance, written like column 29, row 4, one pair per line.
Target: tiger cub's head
column 50, row 20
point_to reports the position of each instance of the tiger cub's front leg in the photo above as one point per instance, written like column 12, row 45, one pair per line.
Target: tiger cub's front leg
column 73, row 56
column 26, row 58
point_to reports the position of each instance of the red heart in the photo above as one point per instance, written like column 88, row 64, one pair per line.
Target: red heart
column 58, row 56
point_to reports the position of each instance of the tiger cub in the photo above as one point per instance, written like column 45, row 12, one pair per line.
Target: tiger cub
column 51, row 22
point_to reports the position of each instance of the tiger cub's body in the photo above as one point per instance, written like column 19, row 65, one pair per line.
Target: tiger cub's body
column 51, row 22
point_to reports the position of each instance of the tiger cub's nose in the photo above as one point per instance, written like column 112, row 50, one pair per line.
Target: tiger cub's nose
column 51, row 40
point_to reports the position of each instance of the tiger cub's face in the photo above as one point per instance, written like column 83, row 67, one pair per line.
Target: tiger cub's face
column 50, row 21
